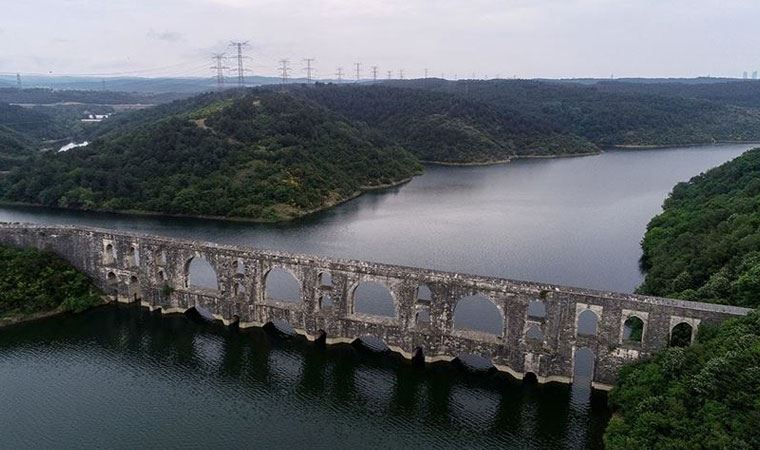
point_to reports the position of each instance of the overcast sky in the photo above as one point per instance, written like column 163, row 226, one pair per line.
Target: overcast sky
column 523, row 38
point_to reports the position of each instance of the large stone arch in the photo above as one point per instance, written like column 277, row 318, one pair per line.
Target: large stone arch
column 474, row 312
column 200, row 273
column 373, row 297
column 281, row 284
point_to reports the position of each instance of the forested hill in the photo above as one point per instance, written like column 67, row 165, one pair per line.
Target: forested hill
column 262, row 156
column 446, row 128
column 609, row 118
column 705, row 245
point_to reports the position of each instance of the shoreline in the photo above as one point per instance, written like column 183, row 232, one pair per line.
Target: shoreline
column 15, row 320
column 303, row 214
column 509, row 160
column 666, row 146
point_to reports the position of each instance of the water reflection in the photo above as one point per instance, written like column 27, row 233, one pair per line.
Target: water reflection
column 166, row 380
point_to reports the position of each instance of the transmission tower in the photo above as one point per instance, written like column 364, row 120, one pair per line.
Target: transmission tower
column 284, row 70
column 400, row 74
column 358, row 71
column 18, row 80
column 308, row 69
column 426, row 73
column 220, row 68
column 390, row 74
column 240, row 70
column 339, row 74
column 374, row 73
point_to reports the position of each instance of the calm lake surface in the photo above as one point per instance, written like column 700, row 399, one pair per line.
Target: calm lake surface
column 122, row 377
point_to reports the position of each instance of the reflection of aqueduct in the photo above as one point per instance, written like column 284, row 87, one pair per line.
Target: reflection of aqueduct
column 535, row 328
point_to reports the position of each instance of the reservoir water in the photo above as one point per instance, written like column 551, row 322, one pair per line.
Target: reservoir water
column 122, row 377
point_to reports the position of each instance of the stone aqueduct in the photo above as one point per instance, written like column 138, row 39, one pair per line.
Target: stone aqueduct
column 154, row 271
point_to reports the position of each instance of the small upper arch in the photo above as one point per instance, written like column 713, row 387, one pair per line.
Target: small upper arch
column 480, row 313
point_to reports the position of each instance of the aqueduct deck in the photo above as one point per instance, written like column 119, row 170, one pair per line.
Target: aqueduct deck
column 155, row 271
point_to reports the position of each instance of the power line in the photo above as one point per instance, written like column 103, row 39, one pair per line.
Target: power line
column 220, row 68
column 240, row 70
column 308, row 69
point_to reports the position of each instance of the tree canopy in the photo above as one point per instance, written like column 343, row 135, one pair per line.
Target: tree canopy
column 705, row 245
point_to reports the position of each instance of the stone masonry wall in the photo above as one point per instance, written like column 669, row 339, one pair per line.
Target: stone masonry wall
column 135, row 267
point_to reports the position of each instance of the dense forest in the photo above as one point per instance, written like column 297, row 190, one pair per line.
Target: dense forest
column 705, row 245
column 736, row 93
column 702, row 396
column 34, row 282
column 609, row 118
column 262, row 156
column 46, row 96
column 446, row 128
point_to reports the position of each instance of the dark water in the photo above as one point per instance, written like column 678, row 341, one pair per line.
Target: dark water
column 121, row 377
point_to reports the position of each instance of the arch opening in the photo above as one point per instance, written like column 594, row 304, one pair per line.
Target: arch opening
column 422, row 316
column 111, row 277
column 201, row 274
column 161, row 257
column 530, row 378
column 534, row 333
column 325, row 301
column 109, row 254
column 238, row 288
column 325, row 279
column 161, row 275
column 633, row 329
column 282, row 286
column 478, row 313
column 239, row 266
column 423, row 293
column 588, row 323
column 681, row 335
column 374, row 299
column 133, row 256
column 536, row 309
column 584, row 362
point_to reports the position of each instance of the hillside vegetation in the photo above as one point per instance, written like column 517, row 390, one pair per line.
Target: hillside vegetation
column 33, row 282
column 262, row 156
column 608, row 118
column 703, row 396
column 446, row 128
column 705, row 245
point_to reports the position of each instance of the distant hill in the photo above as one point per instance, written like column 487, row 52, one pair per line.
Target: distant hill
column 262, row 155
column 607, row 117
column 441, row 127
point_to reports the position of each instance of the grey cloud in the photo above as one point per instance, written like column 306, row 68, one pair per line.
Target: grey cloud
column 166, row 36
